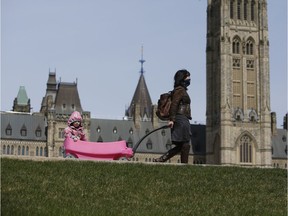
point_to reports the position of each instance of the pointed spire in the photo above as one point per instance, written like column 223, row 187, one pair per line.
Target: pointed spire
column 142, row 61
column 22, row 97
column 141, row 104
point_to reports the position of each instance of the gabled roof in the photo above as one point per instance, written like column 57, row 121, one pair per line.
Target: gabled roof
column 67, row 98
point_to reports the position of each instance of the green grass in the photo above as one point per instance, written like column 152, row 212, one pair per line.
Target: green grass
column 70, row 187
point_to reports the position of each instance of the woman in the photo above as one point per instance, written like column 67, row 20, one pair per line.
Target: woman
column 180, row 114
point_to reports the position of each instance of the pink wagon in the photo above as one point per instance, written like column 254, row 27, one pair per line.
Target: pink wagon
column 117, row 150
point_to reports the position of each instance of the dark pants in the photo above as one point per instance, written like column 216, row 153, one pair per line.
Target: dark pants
column 180, row 147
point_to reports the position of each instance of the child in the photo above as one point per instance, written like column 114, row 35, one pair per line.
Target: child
column 75, row 127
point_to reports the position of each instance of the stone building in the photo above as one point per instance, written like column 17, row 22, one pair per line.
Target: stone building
column 62, row 98
column 238, row 121
column 240, row 128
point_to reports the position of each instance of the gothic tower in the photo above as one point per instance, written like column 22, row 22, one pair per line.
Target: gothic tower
column 22, row 102
column 140, row 108
column 238, row 121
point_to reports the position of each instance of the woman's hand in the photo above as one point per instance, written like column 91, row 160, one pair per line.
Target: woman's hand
column 171, row 124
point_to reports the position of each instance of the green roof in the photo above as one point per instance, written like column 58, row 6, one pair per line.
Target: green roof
column 22, row 97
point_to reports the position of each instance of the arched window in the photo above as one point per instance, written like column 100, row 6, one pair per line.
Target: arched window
column 27, row 150
column 60, row 152
column 61, row 134
column 238, row 9
column 8, row 149
column 23, row 150
column 4, row 149
column 236, row 46
column 245, row 10
column 232, row 9
column 253, row 10
column 249, row 47
column 37, row 151
column 19, row 150
column 245, row 149
column 45, row 152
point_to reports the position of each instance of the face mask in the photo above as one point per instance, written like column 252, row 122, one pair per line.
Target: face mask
column 187, row 82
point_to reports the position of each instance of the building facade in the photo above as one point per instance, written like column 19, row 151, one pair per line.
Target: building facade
column 238, row 121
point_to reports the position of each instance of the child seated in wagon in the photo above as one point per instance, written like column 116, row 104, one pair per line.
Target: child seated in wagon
column 75, row 128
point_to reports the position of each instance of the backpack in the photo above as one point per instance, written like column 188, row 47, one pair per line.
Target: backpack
column 164, row 104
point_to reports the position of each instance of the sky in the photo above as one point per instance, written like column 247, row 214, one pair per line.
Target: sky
column 98, row 44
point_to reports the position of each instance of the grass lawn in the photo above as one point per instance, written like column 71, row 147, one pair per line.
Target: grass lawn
column 72, row 187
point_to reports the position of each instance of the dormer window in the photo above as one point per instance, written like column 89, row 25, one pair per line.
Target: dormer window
column 130, row 143
column 98, row 129
column 38, row 132
column 73, row 106
column 64, row 106
column 131, row 131
column 114, row 130
column 149, row 144
column 8, row 130
column 23, row 131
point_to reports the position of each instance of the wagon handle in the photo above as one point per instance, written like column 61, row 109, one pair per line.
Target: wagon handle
column 138, row 143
